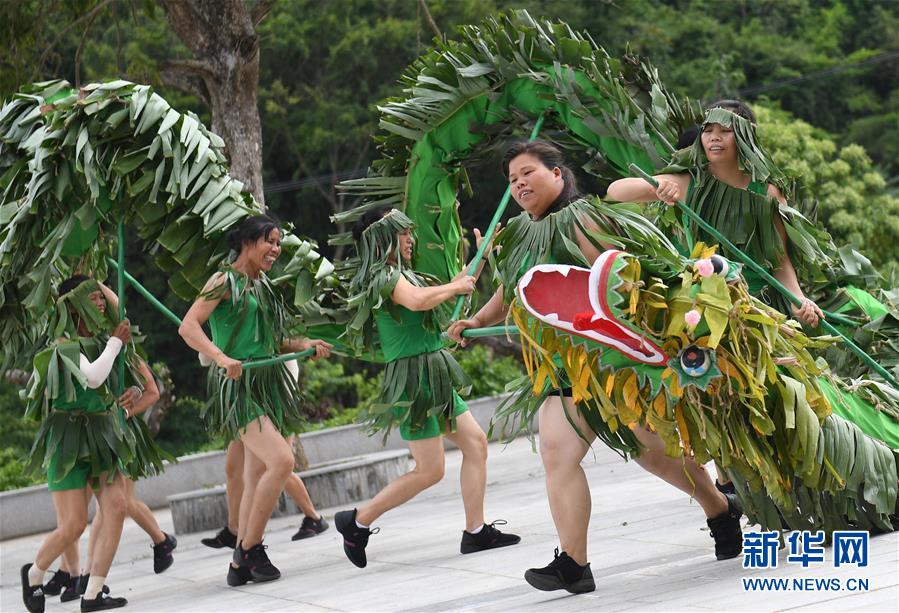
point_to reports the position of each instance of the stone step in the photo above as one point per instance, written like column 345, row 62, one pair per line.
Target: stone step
column 331, row 484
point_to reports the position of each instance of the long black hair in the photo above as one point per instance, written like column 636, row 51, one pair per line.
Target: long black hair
column 250, row 230
column 71, row 283
column 550, row 157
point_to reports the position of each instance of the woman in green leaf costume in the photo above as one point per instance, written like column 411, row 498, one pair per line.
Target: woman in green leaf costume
column 85, row 441
column 558, row 226
column 731, row 188
column 257, row 407
column 728, row 178
column 395, row 311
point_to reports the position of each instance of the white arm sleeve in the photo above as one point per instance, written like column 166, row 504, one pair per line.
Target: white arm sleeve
column 97, row 371
column 294, row 369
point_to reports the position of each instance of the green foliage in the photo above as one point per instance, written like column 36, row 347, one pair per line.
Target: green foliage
column 16, row 436
column 489, row 373
column 852, row 202
column 183, row 432
column 330, row 387
column 325, row 65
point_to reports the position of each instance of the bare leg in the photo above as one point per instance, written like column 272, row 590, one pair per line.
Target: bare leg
column 561, row 450
column 111, row 504
column 675, row 471
column 234, row 483
column 71, row 520
column 471, row 440
column 296, row 489
column 142, row 515
column 429, row 467
column 262, row 445
column 71, row 557
column 96, row 529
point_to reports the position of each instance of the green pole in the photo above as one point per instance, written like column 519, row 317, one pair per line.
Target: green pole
column 277, row 359
column 120, row 286
column 143, row 291
column 489, row 331
column 774, row 282
column 488, row 235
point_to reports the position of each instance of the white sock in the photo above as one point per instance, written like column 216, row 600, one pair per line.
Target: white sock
column 481, row 527
column 363, row 526
column 36, row 575
column 94, row 587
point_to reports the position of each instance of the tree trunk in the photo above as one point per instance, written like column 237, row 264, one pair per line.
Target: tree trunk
column 300, row 459
column 224, row 73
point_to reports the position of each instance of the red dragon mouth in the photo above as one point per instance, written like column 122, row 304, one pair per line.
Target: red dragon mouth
column 560, row 296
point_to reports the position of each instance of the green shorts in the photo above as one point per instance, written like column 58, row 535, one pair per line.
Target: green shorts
column 75, row 479
column 433, row 426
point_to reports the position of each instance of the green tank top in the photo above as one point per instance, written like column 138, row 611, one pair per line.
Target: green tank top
column 238, row 328
column 86, row 399
column 406, row 337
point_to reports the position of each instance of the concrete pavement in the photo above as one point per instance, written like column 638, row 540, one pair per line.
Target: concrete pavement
column 649, row 549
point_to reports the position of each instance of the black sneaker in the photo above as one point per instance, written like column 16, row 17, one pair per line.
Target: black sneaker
column 162, row 553
column 224, row 538
column 32, row 596
column 311, row 527
column 79, row 587
column 562, row 573
column 238, row 576
column 726, row 531
column 71, row 590
column 102, row 602
column 57, row 583
column 355, row 538
column 256, row 560
column 488, row 538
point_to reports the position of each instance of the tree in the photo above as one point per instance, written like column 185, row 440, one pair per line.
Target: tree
column 224, row 73
column 852, row 202
column 319, row 92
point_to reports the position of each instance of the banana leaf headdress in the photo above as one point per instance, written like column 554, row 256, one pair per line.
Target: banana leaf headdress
column 377, row 243
column 75, row 305
column 373, row 275
column 751, row 157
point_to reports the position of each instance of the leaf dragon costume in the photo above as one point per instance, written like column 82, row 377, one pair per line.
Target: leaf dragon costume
column 422, row 381
column 84, row 435
column 77, row 163
column 743, row 385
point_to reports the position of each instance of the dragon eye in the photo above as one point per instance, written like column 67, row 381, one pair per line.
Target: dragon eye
column 719, row 264
column 695, row 360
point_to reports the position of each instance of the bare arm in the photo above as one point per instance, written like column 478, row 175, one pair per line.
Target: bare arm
column 135, row 401
column 478, row 239
column 808, row 312
column 587, row 247
column 191, row 329
column 111, row 298
column 671, row 189
column 490, row 314
column 299, row 343
column 426, row 298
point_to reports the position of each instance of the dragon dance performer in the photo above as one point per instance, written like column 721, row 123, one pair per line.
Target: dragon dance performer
column 717, row 374
column 313, row 522
column 394, row 306
column 86, row 443
column 727, row 177
column 559, row 226
column 249, row 320
column 67, row 582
